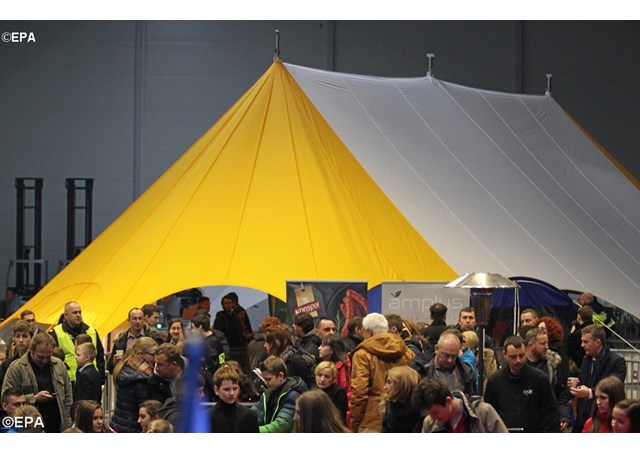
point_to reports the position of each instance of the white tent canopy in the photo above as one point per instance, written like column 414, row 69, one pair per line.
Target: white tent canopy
column 494, row 182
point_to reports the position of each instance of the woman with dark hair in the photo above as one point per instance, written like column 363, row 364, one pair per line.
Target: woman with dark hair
column 555, row 332
column 333, row 349
column 279, row 343
column 315, row 413
column 88, row 417
column 175, row 329
column 609, row 391
column 625, row 417
column 148, row 412
column 131, row 380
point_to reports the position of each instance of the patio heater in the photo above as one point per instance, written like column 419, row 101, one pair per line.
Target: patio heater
column 481, row 286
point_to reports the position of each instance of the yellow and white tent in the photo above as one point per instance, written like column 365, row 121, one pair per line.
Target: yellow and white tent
column 268, row 194
column 317, row 175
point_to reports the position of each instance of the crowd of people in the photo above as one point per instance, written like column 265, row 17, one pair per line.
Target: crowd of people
column 386, row 374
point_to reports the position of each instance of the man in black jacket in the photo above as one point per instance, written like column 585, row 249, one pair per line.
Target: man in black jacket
column 354, row 333
column 598, row 363
column 574, row 340
column 168, row 369
column 521, row 394
column 438, row 313
column 218, row 350
column 304, row 328
column 542, row 358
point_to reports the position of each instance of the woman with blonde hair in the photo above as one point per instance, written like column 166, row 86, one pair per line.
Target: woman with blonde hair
column 326, row 373
column 131, row 380
column 30, row 418
column 315, row 413
column 471, row 342
column 160, row 426
column 399, row 416
column 609, row 391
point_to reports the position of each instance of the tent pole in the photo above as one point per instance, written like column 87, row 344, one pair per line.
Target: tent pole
column 431, row 58
column 276, row 52
column 549, row 80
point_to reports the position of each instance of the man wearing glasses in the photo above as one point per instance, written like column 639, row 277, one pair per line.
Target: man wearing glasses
column 30, row 317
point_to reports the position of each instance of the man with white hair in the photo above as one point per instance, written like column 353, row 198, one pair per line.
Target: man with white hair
column 377, row 353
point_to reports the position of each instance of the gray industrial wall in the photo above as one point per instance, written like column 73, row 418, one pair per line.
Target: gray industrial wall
column 119, row 101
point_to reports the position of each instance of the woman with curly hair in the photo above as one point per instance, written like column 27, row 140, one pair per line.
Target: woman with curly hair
column 255, row 349
column 555, row 333
column 609, row 391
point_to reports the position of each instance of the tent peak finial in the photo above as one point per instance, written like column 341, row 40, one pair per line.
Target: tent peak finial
column 276, row 52
column 548, row 90
column 431, row 58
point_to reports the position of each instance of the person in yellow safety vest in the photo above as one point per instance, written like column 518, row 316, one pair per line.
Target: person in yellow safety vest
column 66, row 332
column 600, row 316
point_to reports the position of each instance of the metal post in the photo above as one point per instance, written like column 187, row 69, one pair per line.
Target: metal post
column 549, row 79
column 76, row 186
column 431, row 58
column 29, row 204
column 276, row 52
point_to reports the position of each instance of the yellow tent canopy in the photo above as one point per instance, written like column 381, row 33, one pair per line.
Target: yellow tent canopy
column 268, row 194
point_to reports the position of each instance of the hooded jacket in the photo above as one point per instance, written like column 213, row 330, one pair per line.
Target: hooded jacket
column 276, row 408
column 369, row 363
column 480, row 418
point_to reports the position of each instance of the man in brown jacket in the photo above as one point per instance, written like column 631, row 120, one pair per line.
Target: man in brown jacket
column 377, row 353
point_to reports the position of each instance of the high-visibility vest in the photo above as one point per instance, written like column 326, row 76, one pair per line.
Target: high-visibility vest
column 65, row 342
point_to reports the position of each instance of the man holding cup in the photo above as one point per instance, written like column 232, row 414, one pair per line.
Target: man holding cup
column 137, row 328
column 598, row 363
